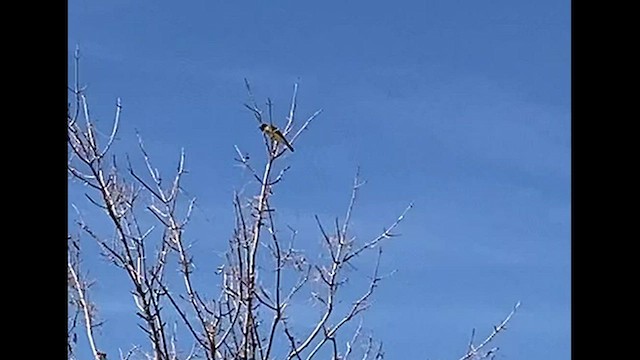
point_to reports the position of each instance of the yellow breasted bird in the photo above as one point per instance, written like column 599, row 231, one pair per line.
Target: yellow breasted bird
column 275, row 134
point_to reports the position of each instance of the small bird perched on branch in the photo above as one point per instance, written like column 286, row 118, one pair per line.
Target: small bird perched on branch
column 275, row 134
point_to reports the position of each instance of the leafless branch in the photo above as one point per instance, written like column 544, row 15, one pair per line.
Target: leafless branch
column 384, row 235
column 341, row 252
column 475, row 350
column 232, row 324
column 116, row 122
column 129, row 353
column 244, row 159
column 357, row 307
column 304, row 125
column 80, row 288
column 292, row 109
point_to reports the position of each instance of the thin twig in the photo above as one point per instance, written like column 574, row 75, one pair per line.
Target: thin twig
column 385, row 234
column 496, row 329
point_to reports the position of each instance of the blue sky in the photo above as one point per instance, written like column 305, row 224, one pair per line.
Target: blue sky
column 462, row 107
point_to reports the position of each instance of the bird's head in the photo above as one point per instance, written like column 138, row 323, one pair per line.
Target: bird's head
column 263, row 126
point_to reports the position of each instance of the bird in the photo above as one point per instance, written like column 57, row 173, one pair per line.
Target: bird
column 275, row 134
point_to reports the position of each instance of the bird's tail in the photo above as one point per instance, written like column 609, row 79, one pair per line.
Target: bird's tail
column 288, row 145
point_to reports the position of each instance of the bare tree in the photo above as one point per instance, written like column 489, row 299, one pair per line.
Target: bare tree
column 263, row 273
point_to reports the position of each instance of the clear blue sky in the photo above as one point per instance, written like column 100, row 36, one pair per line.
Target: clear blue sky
column 460, row 106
